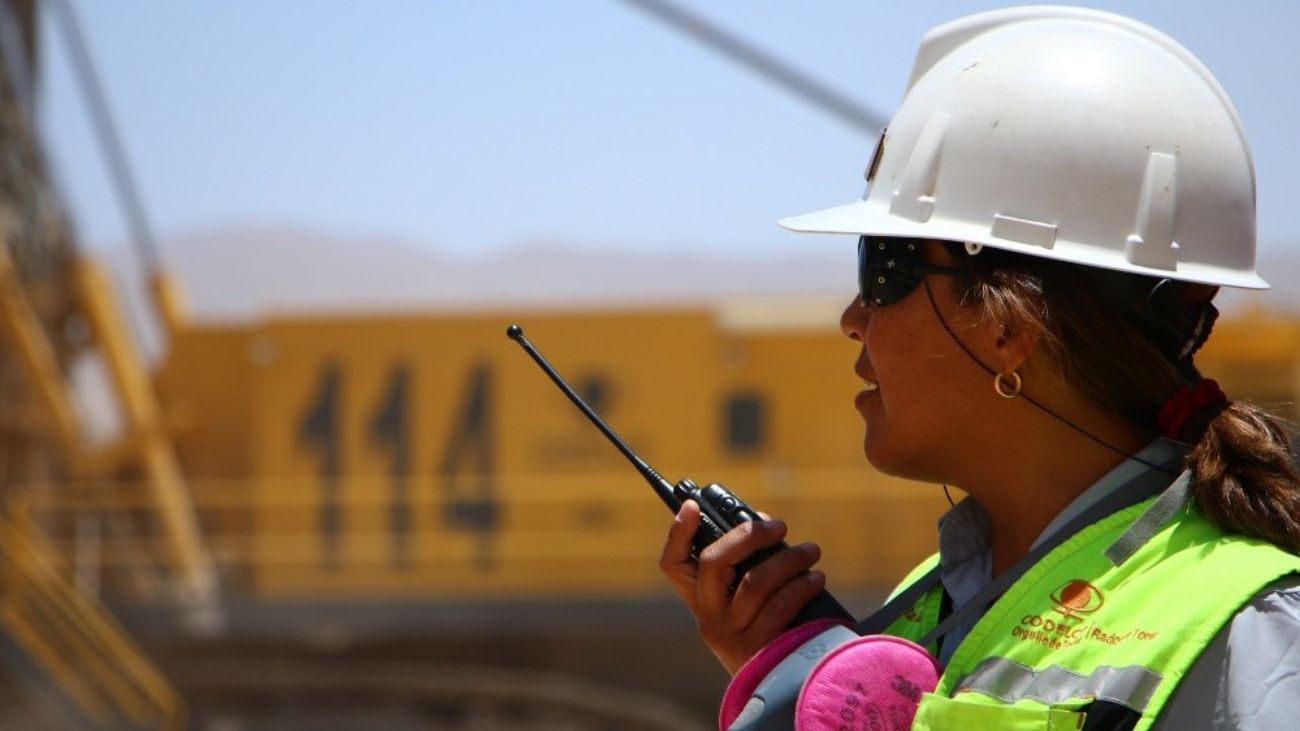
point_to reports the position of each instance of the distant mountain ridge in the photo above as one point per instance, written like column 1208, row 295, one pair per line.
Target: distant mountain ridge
column 246, row 273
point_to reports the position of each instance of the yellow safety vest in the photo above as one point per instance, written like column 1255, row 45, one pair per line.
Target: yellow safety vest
column 1077, row 628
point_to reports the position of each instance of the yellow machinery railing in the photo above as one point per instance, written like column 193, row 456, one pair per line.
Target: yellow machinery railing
column 592, row 534
column 145, row 446
column 74, row 638
column 63, row 629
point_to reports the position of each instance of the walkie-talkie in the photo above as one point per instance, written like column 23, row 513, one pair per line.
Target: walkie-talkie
column 720, row 509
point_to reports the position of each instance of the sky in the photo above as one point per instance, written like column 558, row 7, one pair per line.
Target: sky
column 469, row 127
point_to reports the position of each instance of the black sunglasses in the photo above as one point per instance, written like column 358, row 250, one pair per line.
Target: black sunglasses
column 889, row 269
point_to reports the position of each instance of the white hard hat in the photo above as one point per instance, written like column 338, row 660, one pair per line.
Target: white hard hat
column 1070, row 134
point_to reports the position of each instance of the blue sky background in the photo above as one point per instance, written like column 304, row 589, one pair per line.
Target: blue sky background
column 472, row 126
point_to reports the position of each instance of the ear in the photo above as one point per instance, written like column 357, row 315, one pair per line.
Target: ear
column 1014, row 346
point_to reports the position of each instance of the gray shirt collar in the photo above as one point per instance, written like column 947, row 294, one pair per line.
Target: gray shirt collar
column 964, row 531
column 1160, row 452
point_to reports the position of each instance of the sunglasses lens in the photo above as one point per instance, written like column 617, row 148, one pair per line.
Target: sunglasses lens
column 889, row 269
column 884, row 268
column 864, row 288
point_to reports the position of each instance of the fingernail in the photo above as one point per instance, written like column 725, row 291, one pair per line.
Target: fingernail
column 811, row 549
column 816, row 577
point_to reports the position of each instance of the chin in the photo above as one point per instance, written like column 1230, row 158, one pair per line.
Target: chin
column 882, row 457
column 890, row 460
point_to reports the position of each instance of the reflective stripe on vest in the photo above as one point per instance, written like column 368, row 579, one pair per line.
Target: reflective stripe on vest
column 1009, row 682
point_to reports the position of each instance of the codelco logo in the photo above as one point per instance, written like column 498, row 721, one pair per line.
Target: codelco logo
column 1077, row 597
column 1075, row 600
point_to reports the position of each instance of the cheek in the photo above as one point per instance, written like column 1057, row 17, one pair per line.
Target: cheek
column 906, row 412
column 901, row 354
column 898, row 420
column 921, row 401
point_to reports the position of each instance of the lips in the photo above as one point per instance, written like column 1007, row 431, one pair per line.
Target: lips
column 870, row 387
column 871, row 383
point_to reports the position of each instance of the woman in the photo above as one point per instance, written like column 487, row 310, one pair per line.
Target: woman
column 1051, row 210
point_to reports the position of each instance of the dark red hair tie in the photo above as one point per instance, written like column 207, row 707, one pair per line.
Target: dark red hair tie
column 1201, row 397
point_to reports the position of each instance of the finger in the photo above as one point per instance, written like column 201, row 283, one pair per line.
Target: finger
column 764, row 580
column 677, row 549
column 780, row 610
column 675, row 560
column 718, row 561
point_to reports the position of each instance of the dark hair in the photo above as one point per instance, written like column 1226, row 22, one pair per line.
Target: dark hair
column 1126, row 342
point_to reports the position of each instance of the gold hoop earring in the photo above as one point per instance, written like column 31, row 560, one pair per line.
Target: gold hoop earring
column 1001, row 387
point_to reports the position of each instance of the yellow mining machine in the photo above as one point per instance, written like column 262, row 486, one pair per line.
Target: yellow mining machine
column 395, row 521
column 392, row 514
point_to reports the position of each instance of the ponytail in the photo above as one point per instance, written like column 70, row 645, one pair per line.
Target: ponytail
column 1244, row 477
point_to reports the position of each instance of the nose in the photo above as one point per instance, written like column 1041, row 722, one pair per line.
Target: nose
column 853, row 321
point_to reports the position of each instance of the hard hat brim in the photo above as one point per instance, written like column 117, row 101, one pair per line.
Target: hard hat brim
column 861, row 217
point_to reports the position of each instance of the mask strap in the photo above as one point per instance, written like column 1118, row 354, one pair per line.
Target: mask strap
column 935, row 306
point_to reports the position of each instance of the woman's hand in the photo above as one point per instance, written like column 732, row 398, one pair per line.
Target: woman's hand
column 736, row 627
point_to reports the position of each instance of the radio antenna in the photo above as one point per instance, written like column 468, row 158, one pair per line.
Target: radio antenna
column 662, row 487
